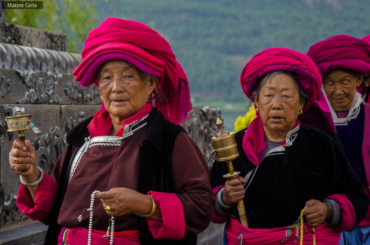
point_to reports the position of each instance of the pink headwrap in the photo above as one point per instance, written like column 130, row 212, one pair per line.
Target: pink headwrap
column 366, row 38
column 143, row 47
column 341, row 52
column 316, row 111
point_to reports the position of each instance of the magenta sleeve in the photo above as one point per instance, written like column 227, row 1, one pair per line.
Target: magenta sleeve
column 348, row 212
column 44, row 199
column 172, row 225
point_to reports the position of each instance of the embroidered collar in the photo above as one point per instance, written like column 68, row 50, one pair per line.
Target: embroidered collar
column 289, row 139
column 352, row 114
column 291, row 136
column 101, row 124
column 129, row 129
column 254, row 143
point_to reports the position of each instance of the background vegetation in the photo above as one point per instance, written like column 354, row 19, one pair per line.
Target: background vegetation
column 213, row 39
column 75, row 18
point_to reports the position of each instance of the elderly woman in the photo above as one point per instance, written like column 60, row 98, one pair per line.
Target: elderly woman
column 364, row 88
column 343, row 61
column 287, row 164
column 153, row 181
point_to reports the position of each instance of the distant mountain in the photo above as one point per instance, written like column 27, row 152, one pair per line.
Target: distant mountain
column 213, row 39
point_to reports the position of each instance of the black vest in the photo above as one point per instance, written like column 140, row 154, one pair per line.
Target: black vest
column 155, row 172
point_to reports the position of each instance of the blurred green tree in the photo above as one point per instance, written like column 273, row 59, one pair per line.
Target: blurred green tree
column 75, row 18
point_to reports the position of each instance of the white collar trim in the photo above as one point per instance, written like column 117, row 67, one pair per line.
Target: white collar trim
column 352, row 114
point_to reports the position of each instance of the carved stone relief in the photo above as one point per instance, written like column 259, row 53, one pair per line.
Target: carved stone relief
column 41, row 87
column 37, row 59
column 5, row 112
column 70, row 123
column 48, row 146
column 201, row 127
column 4, row 86
column 12, row 35
column 8, row 208
column 81, row 94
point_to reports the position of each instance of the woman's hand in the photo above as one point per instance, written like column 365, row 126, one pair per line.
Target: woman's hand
column 22, row 159
column 316, row 212
column 234, row 191
column 125, row 201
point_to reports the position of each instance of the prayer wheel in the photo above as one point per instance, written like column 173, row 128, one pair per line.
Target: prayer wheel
column 226, row 149
column 19, row 123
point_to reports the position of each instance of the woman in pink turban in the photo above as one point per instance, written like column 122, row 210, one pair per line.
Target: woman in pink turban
column 295, row 181
column 364, row 88
column 131, row 166
column 343, row 62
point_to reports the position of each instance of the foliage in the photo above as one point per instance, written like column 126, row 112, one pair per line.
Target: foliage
column 213, row 39
column 75, row 18
column 243, row 122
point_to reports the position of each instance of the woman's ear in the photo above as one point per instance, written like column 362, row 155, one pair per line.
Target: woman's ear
column 153, row 83
column 255, row 99
column 360, row 80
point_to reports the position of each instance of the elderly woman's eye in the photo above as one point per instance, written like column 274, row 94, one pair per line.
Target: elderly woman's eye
column 128, row 76
column 106, row 77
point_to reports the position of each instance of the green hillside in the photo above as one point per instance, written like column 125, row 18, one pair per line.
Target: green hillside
column 213, row 39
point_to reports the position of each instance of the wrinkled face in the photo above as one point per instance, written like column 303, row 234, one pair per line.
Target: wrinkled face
column 278, row 104
column 123, row 90
column 340, row 89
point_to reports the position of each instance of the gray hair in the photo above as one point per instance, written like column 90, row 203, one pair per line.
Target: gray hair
column 303, row 97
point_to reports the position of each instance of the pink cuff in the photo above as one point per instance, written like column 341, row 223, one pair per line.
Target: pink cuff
column 217, row 218
column 172, row 225
column 44, row 199
column 348, row 213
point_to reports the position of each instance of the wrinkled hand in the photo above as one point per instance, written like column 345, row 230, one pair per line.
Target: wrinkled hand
column 125, row 201
column 234, row 191
column 22, row 159
column 316, row 212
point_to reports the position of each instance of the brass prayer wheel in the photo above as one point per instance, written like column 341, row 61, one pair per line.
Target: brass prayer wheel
column 224, row 144
column 19, row 123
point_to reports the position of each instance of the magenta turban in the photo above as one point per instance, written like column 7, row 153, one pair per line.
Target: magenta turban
column 341, row 52
column 366, row 38
column 143, row 47
column 316, row 111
